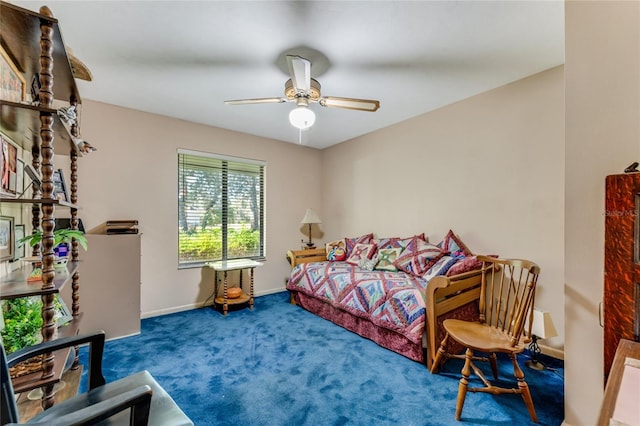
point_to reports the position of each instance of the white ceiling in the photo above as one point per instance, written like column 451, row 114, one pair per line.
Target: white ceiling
column 184, row 58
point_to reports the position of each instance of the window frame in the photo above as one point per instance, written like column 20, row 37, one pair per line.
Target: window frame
column 224, row 161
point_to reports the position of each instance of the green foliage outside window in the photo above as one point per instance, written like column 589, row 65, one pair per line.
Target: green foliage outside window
column 197, row 245
column 22, row 323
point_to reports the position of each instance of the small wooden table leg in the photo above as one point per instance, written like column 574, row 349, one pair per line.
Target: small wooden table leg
column 225, row 306
column 251, row 290
column 216, row 286
column 234, row 265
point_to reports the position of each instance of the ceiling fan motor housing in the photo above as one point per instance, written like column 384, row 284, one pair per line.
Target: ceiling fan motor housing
column 291, row 93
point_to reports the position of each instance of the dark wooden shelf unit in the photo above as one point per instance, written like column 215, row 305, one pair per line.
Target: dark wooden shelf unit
column 15, row 284
column 21, row 38
column 35, row 45
column 33, row 380
column 57, row 203
column 19, row 120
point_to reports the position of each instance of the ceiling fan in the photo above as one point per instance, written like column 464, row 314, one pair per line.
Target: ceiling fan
column 302, row 89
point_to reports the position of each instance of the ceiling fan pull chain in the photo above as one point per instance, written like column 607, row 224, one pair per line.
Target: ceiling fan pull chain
column 300, row 136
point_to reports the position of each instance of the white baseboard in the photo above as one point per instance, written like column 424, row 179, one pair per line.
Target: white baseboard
column 122, row 337
column 168, row 311
column 552, row 352
column 189, row 307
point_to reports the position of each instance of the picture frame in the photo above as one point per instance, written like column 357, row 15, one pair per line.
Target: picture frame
column 33, row 175
column 8, row 166
column 62, row 313
column 13, row 86
column 20, row 250
column 7, row 238
column 59, row 186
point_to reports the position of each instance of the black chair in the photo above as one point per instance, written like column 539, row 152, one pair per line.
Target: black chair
column 134, row 400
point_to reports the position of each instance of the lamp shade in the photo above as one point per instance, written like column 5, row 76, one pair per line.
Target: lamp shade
column 543, row 325
column 310, row 217
column 302, row 117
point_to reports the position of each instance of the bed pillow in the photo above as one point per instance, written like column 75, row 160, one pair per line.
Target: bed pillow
column 397, row 242
column 418, row 257
column 336, row 250
column 361, row 251
column 337, row 254
column 368, row 264
column 410, row 242
column 454, row 245
column 386, row 257
column 440, row 267
column 386, row 243
column 351, row 242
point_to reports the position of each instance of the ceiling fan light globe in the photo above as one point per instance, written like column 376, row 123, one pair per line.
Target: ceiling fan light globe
column 302, row 117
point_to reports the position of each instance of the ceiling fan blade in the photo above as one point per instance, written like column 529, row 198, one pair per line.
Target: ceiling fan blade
column 256, row 101
column 350, row 103
column 300, row 71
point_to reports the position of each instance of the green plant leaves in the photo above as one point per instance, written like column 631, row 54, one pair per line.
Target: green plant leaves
column 59, row 236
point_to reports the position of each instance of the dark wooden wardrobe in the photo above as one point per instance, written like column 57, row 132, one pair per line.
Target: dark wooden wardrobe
column 621, row 263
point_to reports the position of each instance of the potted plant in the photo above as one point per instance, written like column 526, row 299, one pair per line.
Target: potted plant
column 60, row 237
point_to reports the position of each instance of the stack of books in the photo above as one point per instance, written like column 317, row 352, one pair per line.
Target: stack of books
column 121, row 227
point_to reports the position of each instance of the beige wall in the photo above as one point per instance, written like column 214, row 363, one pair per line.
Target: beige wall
column 490, row 167
column 602, row 137
column 133, row 175
column 492, row 138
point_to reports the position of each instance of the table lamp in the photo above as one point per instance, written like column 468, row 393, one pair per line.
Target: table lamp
column 541, row 328
column 310, row 217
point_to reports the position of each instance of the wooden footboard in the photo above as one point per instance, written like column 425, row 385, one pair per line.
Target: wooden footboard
column 445, row 294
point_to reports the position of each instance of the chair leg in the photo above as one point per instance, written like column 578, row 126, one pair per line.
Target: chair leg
column 435, row 365
column 524, row 388
column 464, row 382
column 493, row 360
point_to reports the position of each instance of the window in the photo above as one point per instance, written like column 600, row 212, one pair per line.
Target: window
column 220, row 208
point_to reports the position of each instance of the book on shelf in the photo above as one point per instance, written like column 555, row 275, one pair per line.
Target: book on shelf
column 114, row 227
column 126, row 223
column 115, row 231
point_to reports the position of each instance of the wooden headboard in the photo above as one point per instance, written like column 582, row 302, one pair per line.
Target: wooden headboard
column 295, row 257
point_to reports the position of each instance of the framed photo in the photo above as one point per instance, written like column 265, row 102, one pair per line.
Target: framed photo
column 59, row 187
column 33, row 175
column 20, row 249
column 7, row 238
column 13, row 86
column 8, row 166
column 62, row 315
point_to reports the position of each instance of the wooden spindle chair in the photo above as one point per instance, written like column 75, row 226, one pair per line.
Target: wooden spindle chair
column 506, row 302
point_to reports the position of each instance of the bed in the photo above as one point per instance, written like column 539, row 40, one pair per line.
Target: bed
column 396, row 310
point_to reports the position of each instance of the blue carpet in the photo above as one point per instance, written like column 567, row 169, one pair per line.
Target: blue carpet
column 281, row 365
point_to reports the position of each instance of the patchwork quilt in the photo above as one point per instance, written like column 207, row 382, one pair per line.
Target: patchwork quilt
column 391, row 300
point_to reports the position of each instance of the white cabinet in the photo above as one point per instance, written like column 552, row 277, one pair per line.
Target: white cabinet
column 110, row 295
